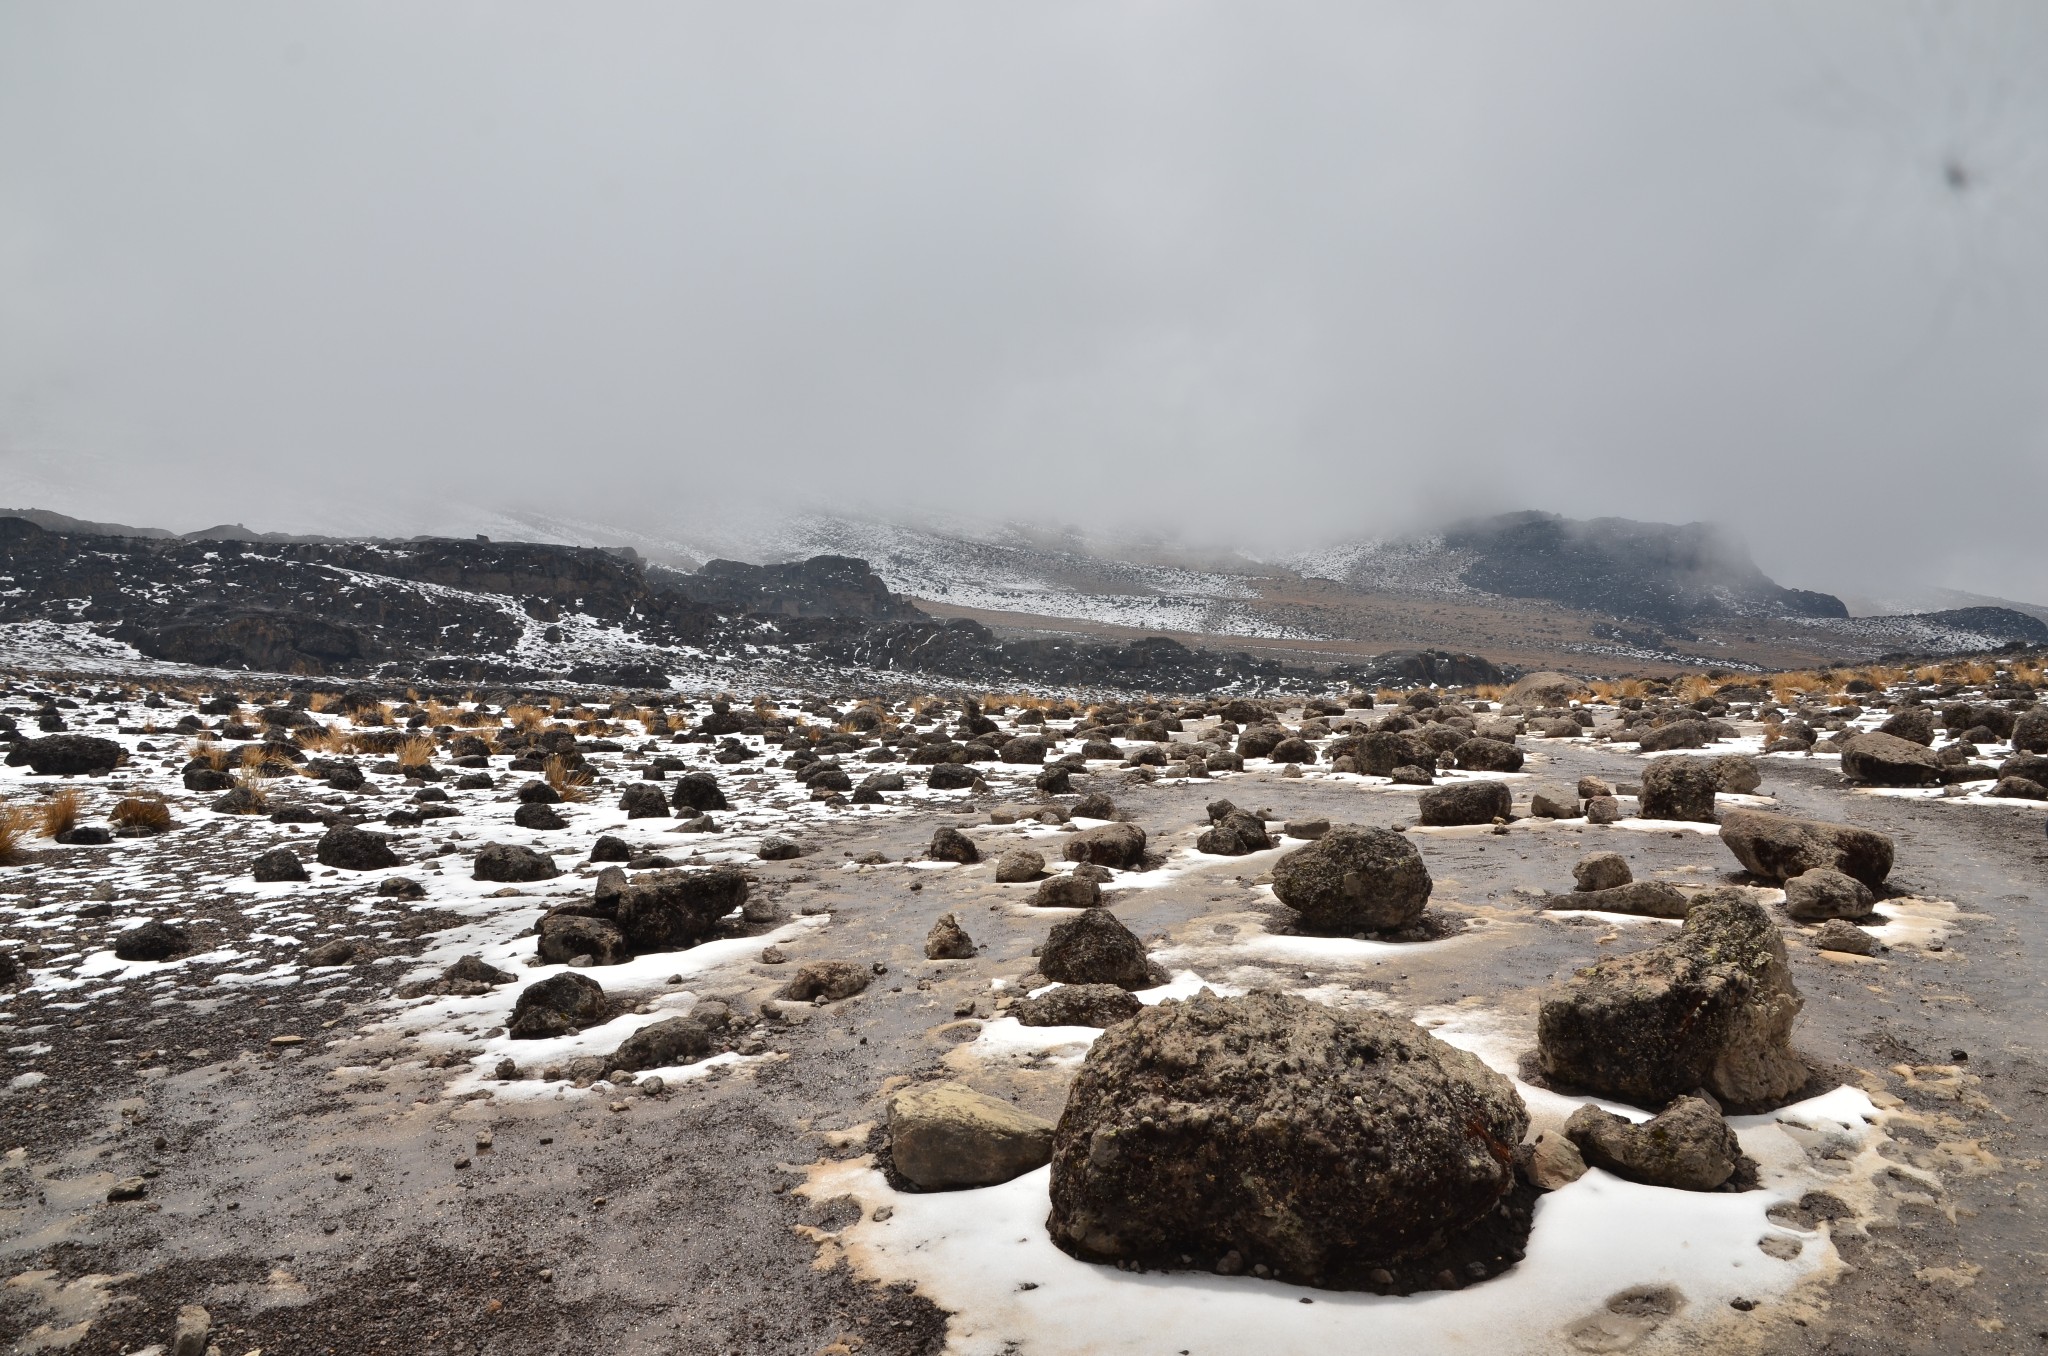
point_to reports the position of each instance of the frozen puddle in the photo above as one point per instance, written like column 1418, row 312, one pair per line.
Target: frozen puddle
column 986, row 1257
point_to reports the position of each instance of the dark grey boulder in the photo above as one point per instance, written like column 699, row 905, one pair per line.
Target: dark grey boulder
column 1454, row 803
column 1354, row 879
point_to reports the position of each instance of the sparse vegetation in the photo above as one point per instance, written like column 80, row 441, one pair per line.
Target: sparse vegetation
column 570, row 783
column 59, row 813
column 15, row 826
column 415, row 752
column 143, row 811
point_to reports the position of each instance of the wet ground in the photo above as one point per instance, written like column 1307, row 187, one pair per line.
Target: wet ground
column 367, row 1187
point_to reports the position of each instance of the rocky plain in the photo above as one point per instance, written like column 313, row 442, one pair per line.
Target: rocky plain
column 1651, row 1016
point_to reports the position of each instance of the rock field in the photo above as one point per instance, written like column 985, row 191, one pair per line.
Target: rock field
column 363, row 1017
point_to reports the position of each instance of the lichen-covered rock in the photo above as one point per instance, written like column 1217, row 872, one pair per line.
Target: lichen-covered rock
column 1317, row 1142
column 1489, row 755
column 830, row 980
column 556, row 1006
column 1688, row 1145
column 565, row 936
column 1711, row 1008
column 1354, row 879
column 944, row 1136
column 1736, row 774
column 948, row 940
column 1643, row 898
column 1078, row 890
column 1465, row 803
column 1681, row 787
column 1777, row 847
column 1822, row 893
column 1078, row 1005
column 1093, row 947
column 1886, row 760
column 1019, row 864
column 1602, row 871
column 512, row 864
column 1119, row 845
column 951, row 845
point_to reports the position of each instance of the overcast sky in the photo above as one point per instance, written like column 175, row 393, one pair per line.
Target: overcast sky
column 1270, row 273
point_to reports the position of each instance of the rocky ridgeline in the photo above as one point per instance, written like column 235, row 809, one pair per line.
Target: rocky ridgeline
column 478, row 610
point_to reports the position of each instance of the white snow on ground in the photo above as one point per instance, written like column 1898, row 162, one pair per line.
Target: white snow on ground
column 985, row 1256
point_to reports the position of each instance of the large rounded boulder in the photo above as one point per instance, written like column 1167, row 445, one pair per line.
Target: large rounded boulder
column 1354, row 879
column 1680, row 787
column 1333, row 1148
column 1478, row 802
column 1093, row 947
column 70, row 755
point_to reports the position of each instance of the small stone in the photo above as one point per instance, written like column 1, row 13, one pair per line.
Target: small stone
column 194, row 1326
column 1841, row 936
column 128, row 1189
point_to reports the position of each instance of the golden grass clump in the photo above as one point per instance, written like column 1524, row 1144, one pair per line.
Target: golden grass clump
column 525, row 717
column 1691, row 687
column 250, row 780
column 59, row 813
column 570, row 783
column 214, row 753
column 365, row 716
column 325, row 739
column 15, row 827
column 416, row 752
column 146, row 811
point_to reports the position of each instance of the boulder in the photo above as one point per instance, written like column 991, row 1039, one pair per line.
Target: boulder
column 1078, row 1005
column 948, row 940
column 1688, row 1145
column 951, row 777
column 664, row 1044
column 1293, row 750
column 510, row 864
column 944, row 1136
column 1777, row 847
column 556, row 1006
column 643, row 800
column 1543, row 689
column 1914, row 724
column 152, row 941
column 1552, row 805
column 534, row 815
column 951, row 845
column 1604, row 810
column 2018, row 788
column 830, row 980
column 1465, row 803
column 1822, row 893
column 1093, row 947
column 1886, row 760
column 1840, row 935
column 537, row 792
column 1307, row 830
column 1023, row 749
column 278, row 865
column 1117, row 845
column 1234, row 833
column 1679, row 734
column 1354, row 879
column 1488, row 755
column 1736, row 774
column 1077, row 890
column 1094, row 805
column 2030, row 731
column 1601, row 871
column 566, row 936
column 1679, row 788
column 1643, row 898
column 775, row 848
column 1590, row 787
column 1267, row 1131
column 668, row 910
column 698, row 791
column 1019, row 864
column 1711, row 1008
column 2030, row 767
column 69, row 755
column 348, row 848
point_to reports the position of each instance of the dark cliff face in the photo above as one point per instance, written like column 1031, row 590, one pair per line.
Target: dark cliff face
column 1649, row 571
column 823, row 586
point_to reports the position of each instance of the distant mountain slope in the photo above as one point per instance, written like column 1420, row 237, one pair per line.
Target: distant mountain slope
column 1659, row 572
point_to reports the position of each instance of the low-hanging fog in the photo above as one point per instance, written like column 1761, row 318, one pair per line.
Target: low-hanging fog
column 1256, row 274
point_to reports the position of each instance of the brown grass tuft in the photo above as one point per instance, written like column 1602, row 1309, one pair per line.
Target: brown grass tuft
column 526, row 717
column 415, row 752
column 59, row 813
column 15, row 826
column 570, row 783
column 150, row 811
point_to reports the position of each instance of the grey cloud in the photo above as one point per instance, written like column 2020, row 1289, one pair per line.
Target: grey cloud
column 1264, row 273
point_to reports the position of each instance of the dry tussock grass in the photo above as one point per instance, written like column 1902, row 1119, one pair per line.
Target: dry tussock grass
column 59, row 812
column 326, row 739
column 250, row 779
column 527, row 718
column 212, row 752
column 15, row 826
column 145, row 810
column 369, row 716
column 570, row 783
column 415, row 752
